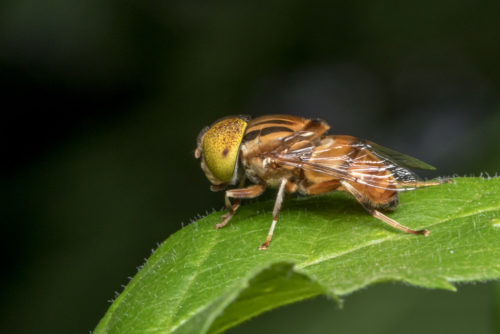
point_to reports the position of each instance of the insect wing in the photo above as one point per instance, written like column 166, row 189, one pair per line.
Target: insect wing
column 398, row 158
column 351, row 159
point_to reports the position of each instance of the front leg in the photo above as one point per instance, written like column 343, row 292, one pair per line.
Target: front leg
column 240, row 193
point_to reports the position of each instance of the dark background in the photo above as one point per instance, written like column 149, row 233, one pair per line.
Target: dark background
column 102, row 101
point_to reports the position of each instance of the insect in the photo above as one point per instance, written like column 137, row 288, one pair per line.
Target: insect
column 294, row 154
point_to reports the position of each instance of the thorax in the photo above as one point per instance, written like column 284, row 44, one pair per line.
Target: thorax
column 264, row 138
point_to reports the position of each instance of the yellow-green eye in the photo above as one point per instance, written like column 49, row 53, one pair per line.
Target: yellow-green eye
column 221, row 144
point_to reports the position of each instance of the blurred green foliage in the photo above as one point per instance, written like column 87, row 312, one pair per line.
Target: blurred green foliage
column 385, row 309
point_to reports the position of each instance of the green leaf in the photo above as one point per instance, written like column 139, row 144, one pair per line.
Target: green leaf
column 204, row 281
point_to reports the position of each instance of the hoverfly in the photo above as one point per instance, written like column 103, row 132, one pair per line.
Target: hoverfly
column 293, row 154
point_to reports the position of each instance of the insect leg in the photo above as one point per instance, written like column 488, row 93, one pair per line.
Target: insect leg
column 231, row 210
column 240, row 193
column 377, row 214
column 276, row 210
column 422, row 184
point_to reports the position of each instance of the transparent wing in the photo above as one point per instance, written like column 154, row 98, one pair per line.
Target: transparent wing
column 352, row 159
column 401, row 159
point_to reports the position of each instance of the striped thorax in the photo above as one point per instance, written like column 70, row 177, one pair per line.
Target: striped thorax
column 266, row 136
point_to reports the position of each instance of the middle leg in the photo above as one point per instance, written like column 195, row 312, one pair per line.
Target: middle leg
column 276, row 210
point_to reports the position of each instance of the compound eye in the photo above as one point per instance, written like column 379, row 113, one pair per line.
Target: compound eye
column 221, row 144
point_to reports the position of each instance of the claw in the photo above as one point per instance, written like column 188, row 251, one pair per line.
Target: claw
column 225, row 218
column 264, row 246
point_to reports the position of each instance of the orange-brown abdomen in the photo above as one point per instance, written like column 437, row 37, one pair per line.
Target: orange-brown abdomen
column 363, row 169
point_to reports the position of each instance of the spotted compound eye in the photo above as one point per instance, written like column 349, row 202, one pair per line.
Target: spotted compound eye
column 221, row 144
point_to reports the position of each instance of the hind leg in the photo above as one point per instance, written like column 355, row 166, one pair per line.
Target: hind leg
column 422, row 184
column 377, row 214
